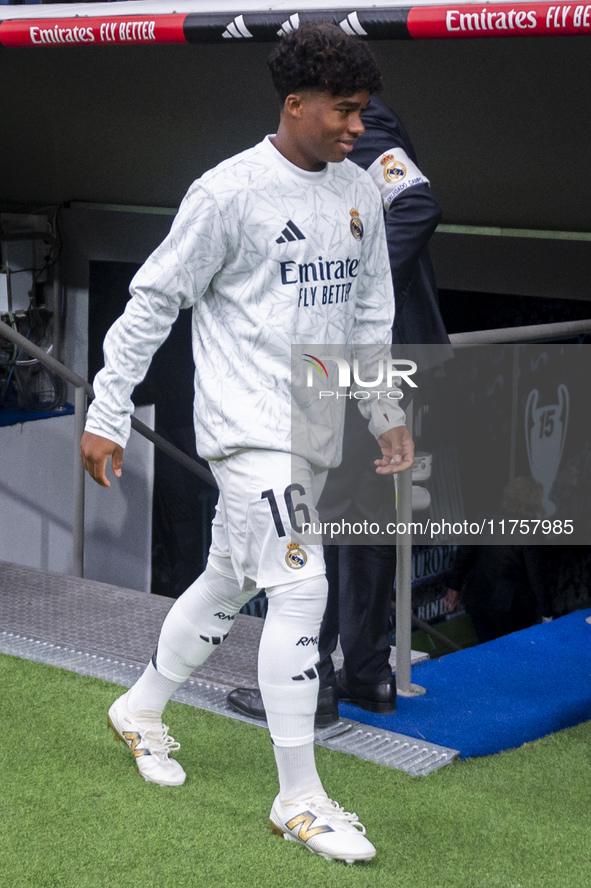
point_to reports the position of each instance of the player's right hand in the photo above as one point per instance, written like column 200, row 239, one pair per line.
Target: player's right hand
column 95, row 452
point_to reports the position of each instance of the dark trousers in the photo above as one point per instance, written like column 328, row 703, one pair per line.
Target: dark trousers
column 490, row 623
column 360, row 583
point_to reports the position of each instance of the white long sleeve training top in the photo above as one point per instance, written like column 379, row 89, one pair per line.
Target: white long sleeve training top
column 267, row 255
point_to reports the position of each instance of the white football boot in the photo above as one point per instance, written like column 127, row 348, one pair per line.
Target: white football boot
column 323, row 827
column 149, row 742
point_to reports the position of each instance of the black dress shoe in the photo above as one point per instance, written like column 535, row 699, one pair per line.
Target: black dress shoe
column 379, row 697
column 249, row 702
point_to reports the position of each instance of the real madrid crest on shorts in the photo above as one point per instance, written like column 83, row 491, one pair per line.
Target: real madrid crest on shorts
column 295, row 557
column 356, row 225
column 394, row 170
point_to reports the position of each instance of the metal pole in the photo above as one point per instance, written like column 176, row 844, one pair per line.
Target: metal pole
column 69, row 375
column 433, row 633
column 559, row 330
column 404, row 578
column 57, row 312
column 78, row 525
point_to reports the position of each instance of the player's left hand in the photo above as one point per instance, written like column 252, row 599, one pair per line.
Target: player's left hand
column 95, row 452
column 398, row 451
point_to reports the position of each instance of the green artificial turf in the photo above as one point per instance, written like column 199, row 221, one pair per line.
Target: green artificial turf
column 75, row 813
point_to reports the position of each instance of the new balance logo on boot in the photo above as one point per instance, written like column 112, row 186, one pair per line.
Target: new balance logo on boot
column 323, row 827
column 149, row 741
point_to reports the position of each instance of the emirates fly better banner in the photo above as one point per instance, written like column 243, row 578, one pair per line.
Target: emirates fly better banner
column 93, row 31
column 423, row 22
column 499, row 20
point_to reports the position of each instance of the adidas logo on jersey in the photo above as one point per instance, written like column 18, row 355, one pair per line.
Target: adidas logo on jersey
column 291, row 232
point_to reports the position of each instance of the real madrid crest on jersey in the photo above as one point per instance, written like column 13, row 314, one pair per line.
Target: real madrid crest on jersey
column 394, row 170
column 356, row 225
column 295, row 557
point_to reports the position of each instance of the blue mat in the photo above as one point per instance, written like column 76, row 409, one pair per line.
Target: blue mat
column 501, row 694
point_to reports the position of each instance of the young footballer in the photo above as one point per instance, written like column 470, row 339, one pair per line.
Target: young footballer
column 247, row 237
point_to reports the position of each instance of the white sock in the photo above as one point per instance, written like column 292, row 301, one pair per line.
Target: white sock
column 298, row 776
column 152, row 691
column 288, row 654
column 196, row 623
column 199, row 621
column 288, row 680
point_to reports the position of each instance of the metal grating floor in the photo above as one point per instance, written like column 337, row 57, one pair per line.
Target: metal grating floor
column 107, row 632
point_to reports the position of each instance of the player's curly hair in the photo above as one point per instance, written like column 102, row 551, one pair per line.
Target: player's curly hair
column 319, row 55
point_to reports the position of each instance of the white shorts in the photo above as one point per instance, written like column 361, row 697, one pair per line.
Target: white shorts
column 265, row 495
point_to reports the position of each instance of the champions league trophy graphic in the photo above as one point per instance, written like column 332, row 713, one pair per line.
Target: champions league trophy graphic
column 545, row 432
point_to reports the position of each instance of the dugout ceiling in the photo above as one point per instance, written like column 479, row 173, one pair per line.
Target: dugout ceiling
column 501, row 126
